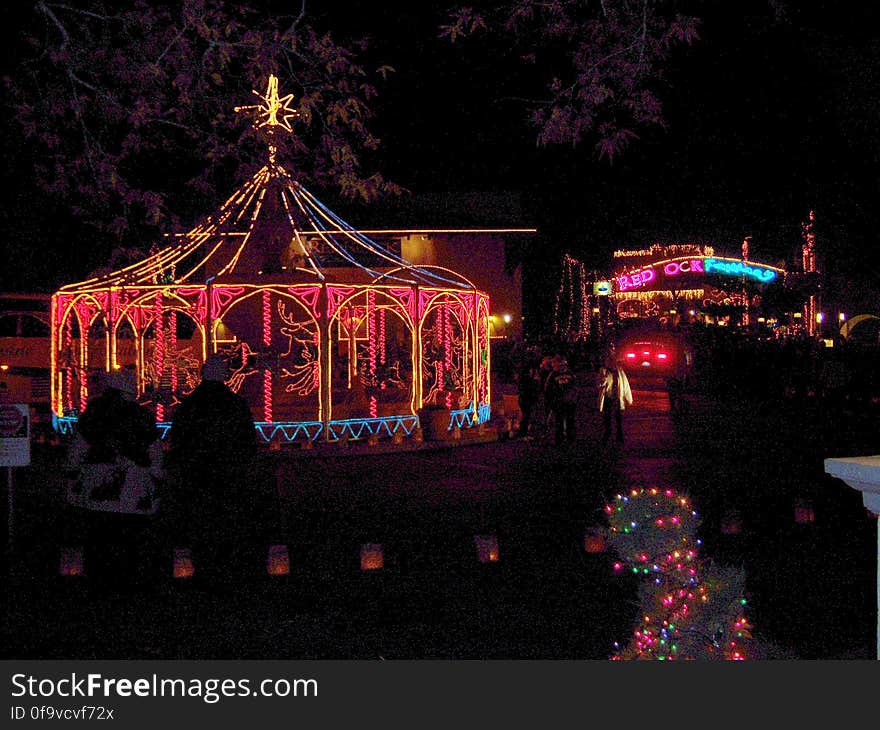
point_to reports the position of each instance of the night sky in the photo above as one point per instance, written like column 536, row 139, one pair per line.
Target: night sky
column 767, row 119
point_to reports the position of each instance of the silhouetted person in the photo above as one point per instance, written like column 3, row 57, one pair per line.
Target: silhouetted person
column 545, row 367
column 561, row 394
column 115, row 477
column 676, row 385
column 529, row 389
column 214, row 505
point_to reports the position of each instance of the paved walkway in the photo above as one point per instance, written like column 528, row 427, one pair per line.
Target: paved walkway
column 545, row 597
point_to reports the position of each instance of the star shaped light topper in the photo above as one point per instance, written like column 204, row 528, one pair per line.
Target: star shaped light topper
column 273, row 111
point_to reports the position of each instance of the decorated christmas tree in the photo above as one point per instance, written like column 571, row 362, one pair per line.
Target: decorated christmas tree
column 689, row 607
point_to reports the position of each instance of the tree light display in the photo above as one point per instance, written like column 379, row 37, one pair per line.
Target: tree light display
column 689, row 608
column 808, row 261
column 573, row 303
column 326, row 333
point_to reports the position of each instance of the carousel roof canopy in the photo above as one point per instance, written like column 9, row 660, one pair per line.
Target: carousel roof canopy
column 272, row 229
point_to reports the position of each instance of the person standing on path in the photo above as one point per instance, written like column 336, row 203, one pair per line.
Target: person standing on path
column 529, row 389
column 615, row 395
column 561, row 394
column 115, row 476
column 215, row 505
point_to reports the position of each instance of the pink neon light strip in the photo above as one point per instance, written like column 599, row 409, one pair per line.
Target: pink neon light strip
column 447, row 346
column 172, row 334
column 160, row 339
column 267, row 395
column 267, row 341
column 381, row 336
column 68, row 371
column 372, row 336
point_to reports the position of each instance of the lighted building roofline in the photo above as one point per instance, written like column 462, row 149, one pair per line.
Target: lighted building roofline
column 728, row 259
column 190, row 234
column 382, row 231
column 645, row 293
column 708, row 250
column 423, row 231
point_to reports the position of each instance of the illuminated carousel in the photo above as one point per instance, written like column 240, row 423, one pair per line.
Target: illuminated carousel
column 327, row 334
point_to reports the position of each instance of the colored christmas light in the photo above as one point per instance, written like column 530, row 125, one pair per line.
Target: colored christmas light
column 691, row 609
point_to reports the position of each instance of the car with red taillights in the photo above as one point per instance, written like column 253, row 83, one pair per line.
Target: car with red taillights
column 649, row 356
column 644, row 349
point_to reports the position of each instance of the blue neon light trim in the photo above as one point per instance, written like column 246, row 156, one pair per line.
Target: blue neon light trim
column 352, row 428
column 65, row 425
column 738, row 268
column 357, row 428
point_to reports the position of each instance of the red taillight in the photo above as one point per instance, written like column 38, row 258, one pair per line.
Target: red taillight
column 661, row 356
column 646, row 353
column 631, row 355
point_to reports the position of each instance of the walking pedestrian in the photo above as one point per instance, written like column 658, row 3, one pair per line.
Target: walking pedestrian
column 615, row 395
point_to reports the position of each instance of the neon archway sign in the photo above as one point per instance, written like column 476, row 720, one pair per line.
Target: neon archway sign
column 698, row 265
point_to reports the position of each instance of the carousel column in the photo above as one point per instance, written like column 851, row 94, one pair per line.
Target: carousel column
column 486, row 375
column 324, row 345
column 267, row 342
column 140, row 334
column 67, row 345
column 382, row 336
column 352, row 346
column 53, row 355
column 438, row 332
column 417, row 354
column 112, row 314
column 159, row 353
column 172, row 348
column 475, row 356
column 446, row 340
column 371, row 341
column 108, row 328
column 208, row 322
column 83, row 316
column 383, row 345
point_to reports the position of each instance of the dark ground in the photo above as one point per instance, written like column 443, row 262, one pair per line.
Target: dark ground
column 811, row 587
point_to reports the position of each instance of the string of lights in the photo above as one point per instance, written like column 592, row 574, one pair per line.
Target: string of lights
column 274, row 264
column 690, row 608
